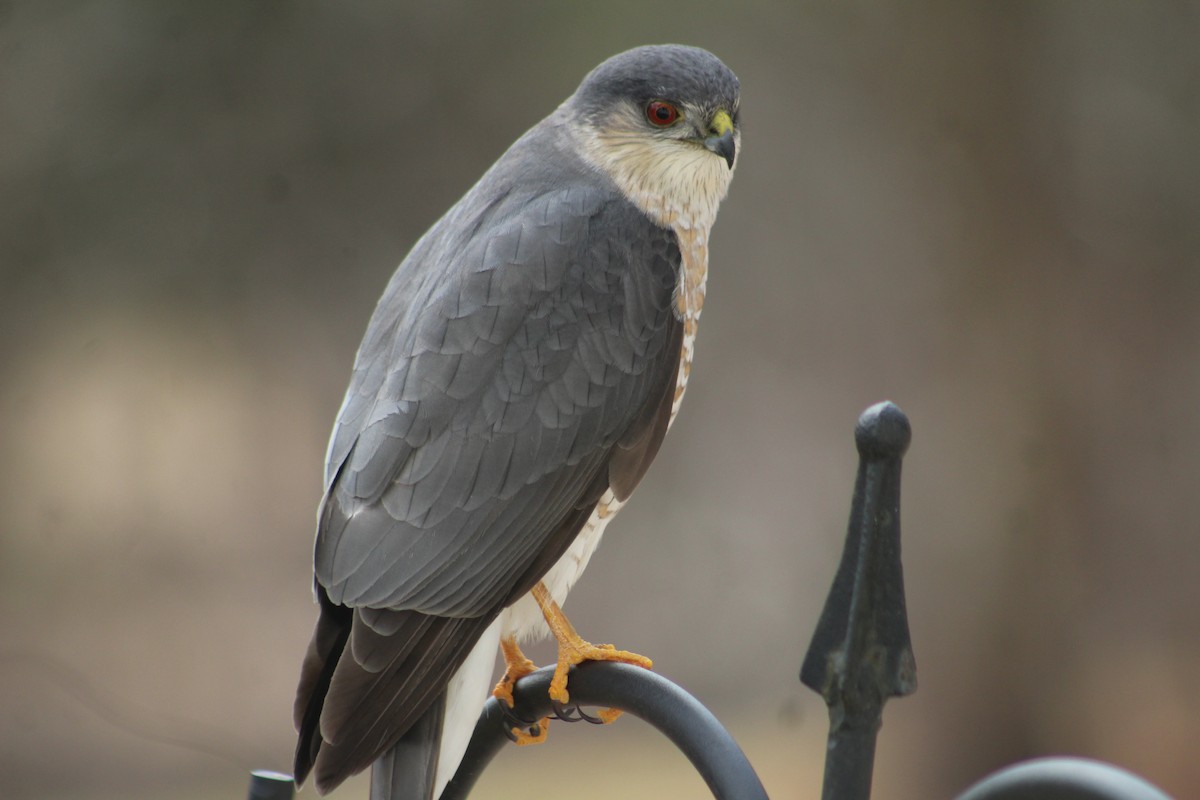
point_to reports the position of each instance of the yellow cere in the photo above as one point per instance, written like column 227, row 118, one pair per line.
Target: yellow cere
column 722, row 123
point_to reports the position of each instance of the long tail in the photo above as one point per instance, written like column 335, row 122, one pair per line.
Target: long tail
column 424, row 761
column 371, row 675
column 409, row 770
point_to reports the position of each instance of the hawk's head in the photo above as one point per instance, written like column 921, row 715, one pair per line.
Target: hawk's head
column 662, row 121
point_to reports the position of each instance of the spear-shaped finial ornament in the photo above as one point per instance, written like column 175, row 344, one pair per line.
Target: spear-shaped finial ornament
column 861, row 653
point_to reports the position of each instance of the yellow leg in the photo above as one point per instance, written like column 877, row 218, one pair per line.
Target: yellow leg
column 517, row 666
column 574, row 650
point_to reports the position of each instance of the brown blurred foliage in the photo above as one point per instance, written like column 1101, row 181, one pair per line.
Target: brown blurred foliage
column 986, row 212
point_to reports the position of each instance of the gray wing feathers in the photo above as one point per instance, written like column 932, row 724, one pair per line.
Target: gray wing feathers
column 521, row 361
column 531, row 354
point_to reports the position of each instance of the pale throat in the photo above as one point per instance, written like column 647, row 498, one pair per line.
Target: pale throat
column 680, row 186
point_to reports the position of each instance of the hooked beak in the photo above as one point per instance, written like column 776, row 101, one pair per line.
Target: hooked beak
column 721, row 139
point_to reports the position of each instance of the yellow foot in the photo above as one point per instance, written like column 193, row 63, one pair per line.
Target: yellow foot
column 572, row 650
column 517, row 666
column 536, row 735
column 575, row 652
column 607, row 715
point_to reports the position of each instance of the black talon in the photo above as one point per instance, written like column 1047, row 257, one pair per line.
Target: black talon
column 574, row 713
column 513, row 719
column 584, row 715
column 565, row 713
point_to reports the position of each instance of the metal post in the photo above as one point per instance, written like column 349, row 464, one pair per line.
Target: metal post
column 267, row 785
column 861, row 654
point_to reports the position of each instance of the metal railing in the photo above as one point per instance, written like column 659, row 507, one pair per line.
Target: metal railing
column 646, row 695
column 860, row 656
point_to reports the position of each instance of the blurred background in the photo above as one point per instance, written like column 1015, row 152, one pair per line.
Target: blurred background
column 986, row 212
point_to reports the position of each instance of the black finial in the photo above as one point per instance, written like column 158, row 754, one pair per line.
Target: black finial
column 861, row 653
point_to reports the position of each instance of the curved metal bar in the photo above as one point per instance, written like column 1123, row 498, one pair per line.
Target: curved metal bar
column 672, row 711
column 1062, row 779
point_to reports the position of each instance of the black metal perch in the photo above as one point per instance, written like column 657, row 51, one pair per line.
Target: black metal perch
column 1063, row 779
column 644, row 694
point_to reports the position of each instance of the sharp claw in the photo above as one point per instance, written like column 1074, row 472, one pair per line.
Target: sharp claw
column 565, row 713
column 511, row 717
column 521, row 731
column 573, row 713
column 586, row 716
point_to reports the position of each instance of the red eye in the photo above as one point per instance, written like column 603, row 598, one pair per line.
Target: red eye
column 661, row 114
